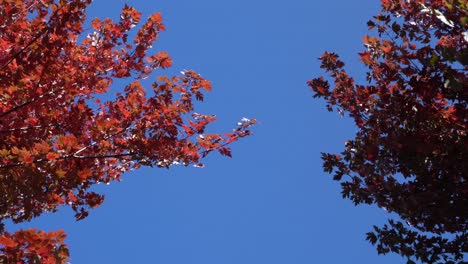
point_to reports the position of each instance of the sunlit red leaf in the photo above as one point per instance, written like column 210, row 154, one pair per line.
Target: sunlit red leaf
column 7, row 242
column 52, row 156
column 366, row 57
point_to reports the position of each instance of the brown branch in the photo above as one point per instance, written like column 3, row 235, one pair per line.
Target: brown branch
column 42, row 160
column 25, row 128
column 23, row 49
column 107, row 156
column 16, row 108
column 54, row 14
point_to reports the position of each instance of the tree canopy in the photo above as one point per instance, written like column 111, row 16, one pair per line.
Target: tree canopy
column 409, row 155
column 60, row 131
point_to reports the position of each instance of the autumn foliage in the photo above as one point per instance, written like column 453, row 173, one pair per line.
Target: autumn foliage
column 410, row 154
column 60, row 131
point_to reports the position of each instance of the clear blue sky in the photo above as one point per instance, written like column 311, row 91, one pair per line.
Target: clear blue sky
column 271, row 203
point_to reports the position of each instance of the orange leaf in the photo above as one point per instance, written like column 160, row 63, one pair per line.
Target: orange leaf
column 60, row 173
column 386, row 49
column 156, row 18
column 96, row 23
column 206, row 85
column 52, row 156
column 7, row 242
column 149, row 59
column 164, row 60
column 365, row 57
column 370, row 40
column 72, row 197
column 84, row 174
column 28, row 159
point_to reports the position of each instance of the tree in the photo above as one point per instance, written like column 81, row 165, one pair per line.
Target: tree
column 409, row 155
column 58, row 139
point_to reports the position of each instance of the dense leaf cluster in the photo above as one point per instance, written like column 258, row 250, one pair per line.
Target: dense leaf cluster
column 57, row 139
column 410, row 153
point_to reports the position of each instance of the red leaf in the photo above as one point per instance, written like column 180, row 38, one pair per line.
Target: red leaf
column 52, row 156
column 225, row 152
column 7, row 242
column 365, row 57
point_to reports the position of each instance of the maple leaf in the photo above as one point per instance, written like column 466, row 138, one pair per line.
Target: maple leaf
column 225, row 152
column 84, row 174
column 365, row 57
column 52, row 156
column 7, row 242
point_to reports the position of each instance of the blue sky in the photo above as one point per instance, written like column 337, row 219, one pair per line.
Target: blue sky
column 271, row 203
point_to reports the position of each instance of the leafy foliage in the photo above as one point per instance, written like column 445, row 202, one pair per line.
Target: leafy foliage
column 32, row 246
column 410, row 154
column 57, row 139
